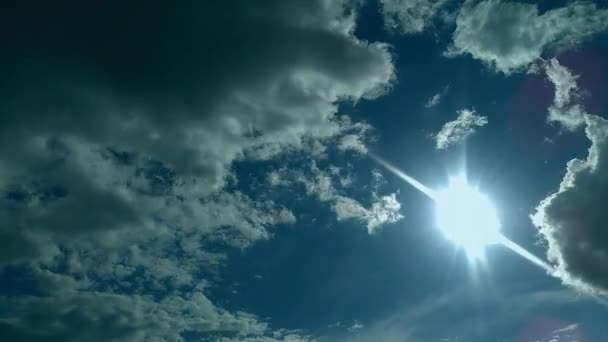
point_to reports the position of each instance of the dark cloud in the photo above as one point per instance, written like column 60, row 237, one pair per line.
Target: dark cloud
column 573, row 220
column 190, row 87
column 120, row 126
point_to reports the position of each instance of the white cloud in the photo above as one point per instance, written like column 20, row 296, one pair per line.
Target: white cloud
column 352, row 142
column 331, row 185
column 564, row 109
column 411, row 16
column 569, row 333
column 511, row 35
column 436, row 99
column 356, row 326
column 567, row 329
column 454, row 132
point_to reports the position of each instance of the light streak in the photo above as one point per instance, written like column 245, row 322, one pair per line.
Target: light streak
column 526, row 254
column 432, row 194
column 413, row 182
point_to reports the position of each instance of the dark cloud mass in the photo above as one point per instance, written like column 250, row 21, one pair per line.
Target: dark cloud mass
column 120, row 122
column 573, row 220
column 168, row 169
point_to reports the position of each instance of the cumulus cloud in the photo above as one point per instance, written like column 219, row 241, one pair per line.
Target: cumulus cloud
column 118, row 144
column 511, row 35
column 454, row 132
column 411, row 16
column 572, row 220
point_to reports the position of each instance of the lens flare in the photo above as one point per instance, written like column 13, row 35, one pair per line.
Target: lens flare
column 466, row 216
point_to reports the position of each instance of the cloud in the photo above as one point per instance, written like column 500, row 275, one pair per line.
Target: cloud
column 572, row 220
column 330, row 186
column 119, row 143
column 356, row 326
column 454, row 132
column 510, row 35
column 567, row 329
column 564, row 109
column 411, row 16
column 383, row 210
column 354, row 136
column 569, row 333
column 103, row 317
column 435, row 99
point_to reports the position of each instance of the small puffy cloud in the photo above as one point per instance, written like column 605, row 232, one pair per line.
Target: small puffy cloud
column 352, row 142
column 356, row 326
column 329, row 186
column 411, row 16
column 384, row 210
column 454, row 132
column 511, row 35
column 436, row 99
column 564, row 109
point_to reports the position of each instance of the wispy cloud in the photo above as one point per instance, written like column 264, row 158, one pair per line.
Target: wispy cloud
column 436, row 99
column 564, row 110
column 454, row 132
column 412, row 16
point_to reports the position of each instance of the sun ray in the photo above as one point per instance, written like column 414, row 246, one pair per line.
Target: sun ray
column 466, row 217
column 526, row 254
column 411, row 180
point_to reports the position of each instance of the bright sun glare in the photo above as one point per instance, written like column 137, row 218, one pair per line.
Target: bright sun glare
column 467, row 217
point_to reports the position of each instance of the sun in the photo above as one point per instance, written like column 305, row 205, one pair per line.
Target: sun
column 467, row 217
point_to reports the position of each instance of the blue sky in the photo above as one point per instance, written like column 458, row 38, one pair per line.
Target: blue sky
column 206, row 171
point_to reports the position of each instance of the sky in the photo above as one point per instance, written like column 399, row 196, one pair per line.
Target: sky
column 209, row 170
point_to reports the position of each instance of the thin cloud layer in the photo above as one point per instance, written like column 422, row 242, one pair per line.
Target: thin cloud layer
column 573, row 219
column 454, row 132
column 436, row 99
column 411, row 16
column 511, row 35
